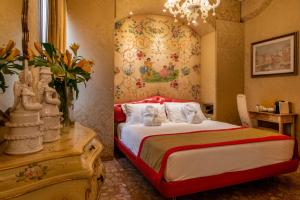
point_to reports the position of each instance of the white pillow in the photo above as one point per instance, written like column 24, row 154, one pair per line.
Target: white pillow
column 134, row 112
column 191, row 114
column 175, row 111
column 151, row 116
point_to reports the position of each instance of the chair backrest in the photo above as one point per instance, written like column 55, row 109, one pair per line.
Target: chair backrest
column 243, row 111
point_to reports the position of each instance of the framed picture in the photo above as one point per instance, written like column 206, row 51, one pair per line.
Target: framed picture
column 275, row 56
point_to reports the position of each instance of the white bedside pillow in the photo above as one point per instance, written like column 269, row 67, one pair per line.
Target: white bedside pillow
column 192, row 114
column 175, row 111
column 151, row 116
column 134, row 112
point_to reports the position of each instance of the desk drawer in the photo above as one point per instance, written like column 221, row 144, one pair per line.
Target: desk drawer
column 268, row 118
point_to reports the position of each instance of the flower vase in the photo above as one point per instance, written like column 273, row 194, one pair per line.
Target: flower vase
column 68, row 107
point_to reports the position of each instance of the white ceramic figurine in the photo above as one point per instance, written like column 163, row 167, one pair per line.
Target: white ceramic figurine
column 24, row 135
column 50, row 114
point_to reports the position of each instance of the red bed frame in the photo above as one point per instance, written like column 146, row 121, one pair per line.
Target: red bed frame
column 179, row 188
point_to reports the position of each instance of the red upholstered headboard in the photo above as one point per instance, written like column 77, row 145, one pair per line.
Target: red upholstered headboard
column 119, row 115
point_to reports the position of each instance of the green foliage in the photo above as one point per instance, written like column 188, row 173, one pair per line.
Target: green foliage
column 10, row 60
column 68, row 70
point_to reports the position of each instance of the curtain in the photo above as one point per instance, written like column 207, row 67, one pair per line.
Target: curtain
column 57, row 23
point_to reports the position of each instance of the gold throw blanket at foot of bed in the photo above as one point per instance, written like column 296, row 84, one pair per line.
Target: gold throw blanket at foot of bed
column 155, row 149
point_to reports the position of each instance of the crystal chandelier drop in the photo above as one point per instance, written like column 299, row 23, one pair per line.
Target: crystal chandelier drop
column 191, row 9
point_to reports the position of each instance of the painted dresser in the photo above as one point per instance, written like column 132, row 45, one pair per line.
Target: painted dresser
column 69, row 169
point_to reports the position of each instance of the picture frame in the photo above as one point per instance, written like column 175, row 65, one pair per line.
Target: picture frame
column 276, row 56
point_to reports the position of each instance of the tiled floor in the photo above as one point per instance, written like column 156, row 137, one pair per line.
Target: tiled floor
column 124, row 182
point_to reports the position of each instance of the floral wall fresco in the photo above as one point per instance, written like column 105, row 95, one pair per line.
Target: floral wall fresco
column 155, row 55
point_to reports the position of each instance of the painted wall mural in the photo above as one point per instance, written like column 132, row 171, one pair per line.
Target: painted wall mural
column 155, row 55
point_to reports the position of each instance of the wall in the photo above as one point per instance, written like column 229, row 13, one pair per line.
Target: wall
column 277, row 19
column 10, row 23
column 208, row 68
column 229, row 72
column 155, row 55
column 90, row 23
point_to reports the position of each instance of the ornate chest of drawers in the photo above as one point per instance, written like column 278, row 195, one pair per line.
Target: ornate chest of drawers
column 69, row 169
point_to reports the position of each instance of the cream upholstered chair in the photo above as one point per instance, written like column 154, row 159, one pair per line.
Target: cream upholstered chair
column 243, row 111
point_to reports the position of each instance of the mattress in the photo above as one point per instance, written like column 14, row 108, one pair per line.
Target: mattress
column 196, row 163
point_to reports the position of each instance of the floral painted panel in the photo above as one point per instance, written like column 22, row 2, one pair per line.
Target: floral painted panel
column 155, row 55
column 32, row 172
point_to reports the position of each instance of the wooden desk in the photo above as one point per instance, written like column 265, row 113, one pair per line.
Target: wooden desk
column 281, row 119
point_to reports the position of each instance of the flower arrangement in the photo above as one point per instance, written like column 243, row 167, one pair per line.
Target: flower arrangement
column 9, row 58
column 68, row 68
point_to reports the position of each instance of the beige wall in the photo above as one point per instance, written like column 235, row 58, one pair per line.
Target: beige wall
column 277, row 19
column 10, row 23
column 230, row 79
column 208, row 68
column 90, row 23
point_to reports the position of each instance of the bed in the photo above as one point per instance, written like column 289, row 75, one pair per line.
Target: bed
column 196, row 167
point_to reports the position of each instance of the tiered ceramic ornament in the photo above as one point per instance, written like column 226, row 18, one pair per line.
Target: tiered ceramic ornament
column 50, row 114
column 24, row 134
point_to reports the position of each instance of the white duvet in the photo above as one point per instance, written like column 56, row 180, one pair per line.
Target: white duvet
column 207, row 161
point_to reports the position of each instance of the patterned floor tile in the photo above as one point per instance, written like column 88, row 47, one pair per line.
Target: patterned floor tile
column 124, row 182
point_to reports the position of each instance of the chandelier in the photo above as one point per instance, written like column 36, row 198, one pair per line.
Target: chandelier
column 191, row 9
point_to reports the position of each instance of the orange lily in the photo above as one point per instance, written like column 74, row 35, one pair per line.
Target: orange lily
column 31, row 54
column 74, row 47
column 87, row 68
column 68, row 59
column 81, row 63
column 91, row 62
column 85, row 65
column 14, row 53
column 10, row 45
column 2, row 51
column 38, row 47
